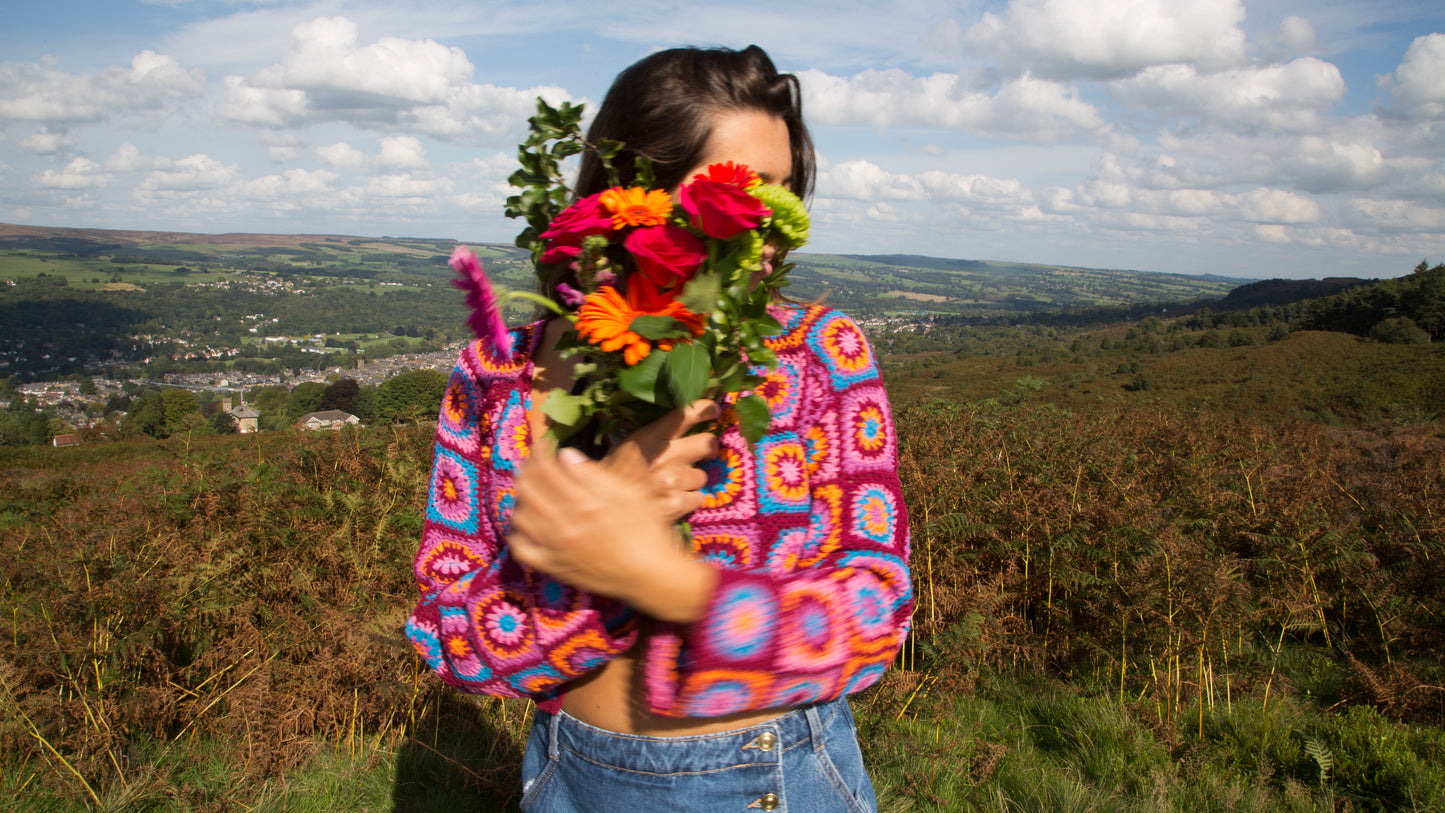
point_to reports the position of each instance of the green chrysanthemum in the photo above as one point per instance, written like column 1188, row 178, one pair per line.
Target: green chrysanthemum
column 749, row 249
column 790, row 217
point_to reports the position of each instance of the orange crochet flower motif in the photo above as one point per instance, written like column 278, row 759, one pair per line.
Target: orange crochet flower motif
column 605, row 319
column 636, row 206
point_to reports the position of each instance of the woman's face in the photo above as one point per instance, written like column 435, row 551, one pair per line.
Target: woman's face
column 750, row 137
column 759, row 140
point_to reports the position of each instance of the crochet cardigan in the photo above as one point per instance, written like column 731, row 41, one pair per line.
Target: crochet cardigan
column 808, row 532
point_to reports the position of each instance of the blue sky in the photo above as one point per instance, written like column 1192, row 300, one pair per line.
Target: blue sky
column 1249, row 138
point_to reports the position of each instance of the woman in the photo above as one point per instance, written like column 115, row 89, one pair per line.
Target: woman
column 702, row 677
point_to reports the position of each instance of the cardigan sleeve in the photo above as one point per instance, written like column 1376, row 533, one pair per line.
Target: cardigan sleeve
column 825, row 600
column 485, row 623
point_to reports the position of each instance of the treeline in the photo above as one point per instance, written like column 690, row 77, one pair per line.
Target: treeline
column 1406, row 310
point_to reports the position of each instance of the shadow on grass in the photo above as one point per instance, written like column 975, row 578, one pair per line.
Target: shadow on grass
column 456, row 758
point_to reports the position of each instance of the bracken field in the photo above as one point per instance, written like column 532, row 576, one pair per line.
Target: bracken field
column 1133, row 594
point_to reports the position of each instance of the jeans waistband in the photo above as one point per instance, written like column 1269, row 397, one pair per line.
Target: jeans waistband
column 760, row 744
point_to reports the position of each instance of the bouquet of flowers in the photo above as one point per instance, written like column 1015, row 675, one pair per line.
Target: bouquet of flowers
column 671, row 295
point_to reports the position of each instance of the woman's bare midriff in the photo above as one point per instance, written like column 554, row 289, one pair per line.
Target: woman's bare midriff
column 611, row 698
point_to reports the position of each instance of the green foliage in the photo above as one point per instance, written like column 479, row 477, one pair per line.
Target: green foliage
column 555, row 134
column 342, row 394
column 1399, row 330
column 411, row 396
column 177, row 407
column 304, row 399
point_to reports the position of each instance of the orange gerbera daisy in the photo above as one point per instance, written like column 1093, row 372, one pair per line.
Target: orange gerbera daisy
column 605, row 319
column 636, row 206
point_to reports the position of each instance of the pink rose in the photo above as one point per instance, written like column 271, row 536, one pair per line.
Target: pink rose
column 665, row 255
column 582, row 219
column 721, row 210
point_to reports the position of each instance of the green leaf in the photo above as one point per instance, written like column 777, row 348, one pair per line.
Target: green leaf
column 640, row 380
column 658, row 327
column 699, row 295
column 768, row 326
column 753, row 418
column 688, row 366
column 564, row 408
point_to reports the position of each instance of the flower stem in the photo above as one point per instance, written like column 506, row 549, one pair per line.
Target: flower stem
column 539, row 300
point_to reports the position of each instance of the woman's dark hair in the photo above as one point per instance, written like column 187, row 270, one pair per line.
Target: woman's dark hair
column 665, row 105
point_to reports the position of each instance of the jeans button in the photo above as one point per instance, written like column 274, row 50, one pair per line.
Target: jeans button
column 767, row 740
column 768, row 801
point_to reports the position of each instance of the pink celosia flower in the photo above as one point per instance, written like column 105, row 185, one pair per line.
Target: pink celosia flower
column 486, row 319
column 721, row 210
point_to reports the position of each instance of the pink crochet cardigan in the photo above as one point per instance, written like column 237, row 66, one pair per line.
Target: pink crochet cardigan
column 808, row 532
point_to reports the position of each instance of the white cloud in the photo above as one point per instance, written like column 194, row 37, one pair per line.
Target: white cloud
column 977, row 190
column 1024, row 107
column 1398, row 216
column 80, row 173
column 342, row 156
column 282, row 148
column 1418, row 84
column 153, row 85
column 1099, row 39
column 127, row 158
column 1321, row 165
column 1276, row 206
column 864, row 180
column 292, row 189
column 1297, row 34
column 393, row 153
column 417, row 86
column 326, row 61
column 45, row 142
column 1289, row 97
column 191, row 174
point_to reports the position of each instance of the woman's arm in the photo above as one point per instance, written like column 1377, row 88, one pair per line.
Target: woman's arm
column 487, row 621
column 817, row 597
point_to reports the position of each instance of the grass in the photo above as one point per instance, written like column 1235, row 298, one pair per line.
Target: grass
column 1017, row 743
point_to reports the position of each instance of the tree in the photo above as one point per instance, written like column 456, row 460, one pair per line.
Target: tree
column 177, row 406
column 305, row 399
column 341, row 395
column 1399, row 330
column 223, row 423
column 271, row 403
column 366, row 405
column 413, row 395
column 147, row 415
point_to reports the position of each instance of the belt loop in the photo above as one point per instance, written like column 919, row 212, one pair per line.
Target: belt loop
column 815, row 726
column 554, row 750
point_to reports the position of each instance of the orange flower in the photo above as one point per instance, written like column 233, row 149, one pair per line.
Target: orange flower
column 605, row 319
column 636, row 206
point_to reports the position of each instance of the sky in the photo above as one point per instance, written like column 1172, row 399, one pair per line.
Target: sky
column 1259, row 139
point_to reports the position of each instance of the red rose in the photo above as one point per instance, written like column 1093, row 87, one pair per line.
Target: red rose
column 721, row 210
column 665, row 255
column 582, row 219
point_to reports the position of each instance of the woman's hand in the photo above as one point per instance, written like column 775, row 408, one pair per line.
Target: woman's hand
column 608, row 528
column 665, row 456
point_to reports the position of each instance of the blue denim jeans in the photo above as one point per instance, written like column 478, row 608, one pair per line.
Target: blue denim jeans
column 806, row 761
